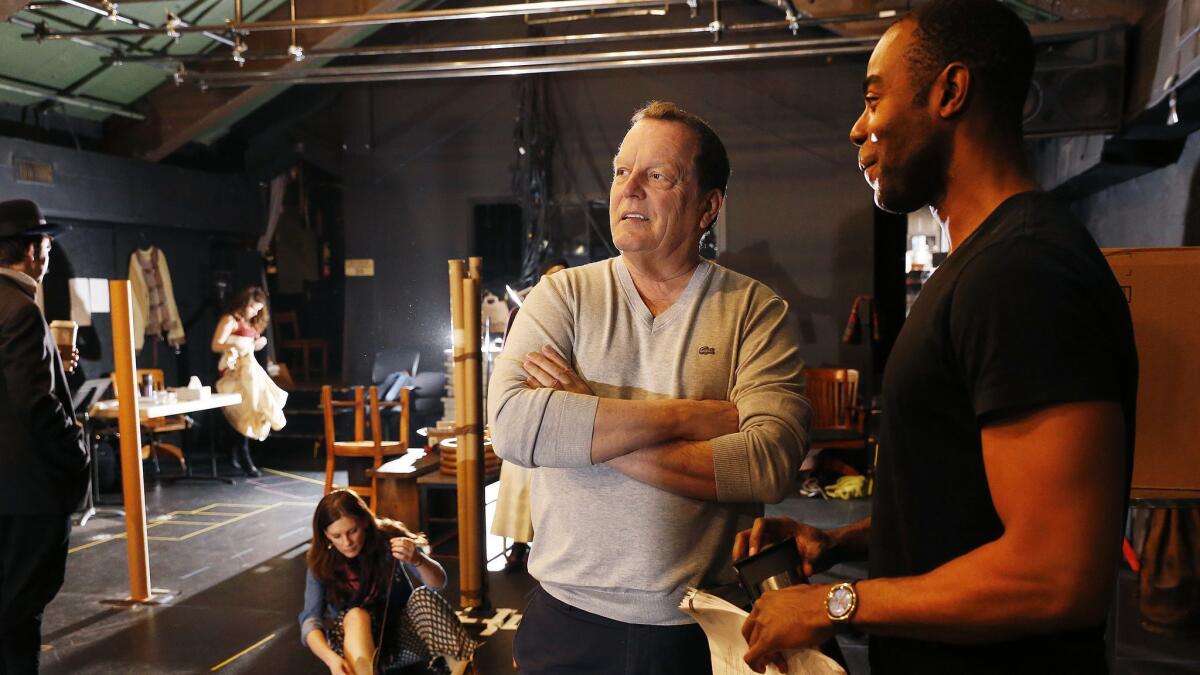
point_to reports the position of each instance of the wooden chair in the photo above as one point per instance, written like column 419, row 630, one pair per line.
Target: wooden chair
column 376, row 448
column 837, row 419
column 287, row 338
column 152, row 427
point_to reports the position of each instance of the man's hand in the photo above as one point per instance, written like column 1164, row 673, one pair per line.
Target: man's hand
column 696, row 420
column 259, row 343
column 791, row 618
column 70, row 358
column 816, row 547
column 547, row 368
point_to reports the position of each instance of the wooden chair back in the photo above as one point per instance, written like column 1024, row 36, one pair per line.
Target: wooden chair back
column 833, row 394
column 287, row 325
column 158, row 425
column 375, row 448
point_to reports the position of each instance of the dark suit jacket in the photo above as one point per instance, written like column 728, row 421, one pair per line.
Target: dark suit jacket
column 43, row 460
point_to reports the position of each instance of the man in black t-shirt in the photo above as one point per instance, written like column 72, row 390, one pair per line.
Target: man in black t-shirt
column 1007, row 433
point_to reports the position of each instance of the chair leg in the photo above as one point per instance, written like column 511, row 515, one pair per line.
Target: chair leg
column 173, row 450
column 328, row 472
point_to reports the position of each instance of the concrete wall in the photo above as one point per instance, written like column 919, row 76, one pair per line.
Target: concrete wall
column 113, row 205
column 419, row 155
column 96, row 187
column 1161, row 208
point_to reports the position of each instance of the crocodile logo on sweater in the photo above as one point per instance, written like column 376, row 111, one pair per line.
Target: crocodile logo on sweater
column 707, row 351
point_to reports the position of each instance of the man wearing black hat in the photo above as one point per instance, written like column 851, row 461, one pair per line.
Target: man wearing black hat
column 43, row 459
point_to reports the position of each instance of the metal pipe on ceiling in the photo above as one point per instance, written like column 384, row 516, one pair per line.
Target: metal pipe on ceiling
column 557, row 64
column 75, row 101
column 588, row 16
column 40, row 28
column 439, row 47
column 59, row 4
column 291, row 75
column 492, row 45
column 16, row 21
column 422, row 16
column 142, row 28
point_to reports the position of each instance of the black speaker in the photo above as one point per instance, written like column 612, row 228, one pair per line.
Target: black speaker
column 1078, row 81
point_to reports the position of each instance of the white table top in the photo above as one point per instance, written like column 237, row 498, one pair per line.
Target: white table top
column 110, row 409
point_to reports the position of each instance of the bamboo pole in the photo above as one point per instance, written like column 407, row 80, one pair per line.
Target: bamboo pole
column 475, row 269
column 131, row 441
column 457, row 275
column 470, row 456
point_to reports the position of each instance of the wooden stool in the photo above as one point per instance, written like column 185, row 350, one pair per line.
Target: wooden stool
column 398, row 496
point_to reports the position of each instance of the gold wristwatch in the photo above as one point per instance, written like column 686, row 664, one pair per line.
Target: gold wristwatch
column 840, row 603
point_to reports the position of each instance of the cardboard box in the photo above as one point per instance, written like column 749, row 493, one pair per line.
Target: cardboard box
column 1163, row 288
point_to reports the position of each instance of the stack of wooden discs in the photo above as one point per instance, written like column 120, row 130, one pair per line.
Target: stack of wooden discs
column 449, row 452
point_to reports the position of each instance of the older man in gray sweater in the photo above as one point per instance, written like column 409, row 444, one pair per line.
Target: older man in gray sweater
column 659, row 398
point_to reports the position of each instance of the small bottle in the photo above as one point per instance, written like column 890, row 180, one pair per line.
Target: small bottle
column 147, row 386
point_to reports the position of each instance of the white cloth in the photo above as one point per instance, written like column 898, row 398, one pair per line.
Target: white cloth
column 154, row 310
column 722, row 624
column 513, row 518
column 261, row 409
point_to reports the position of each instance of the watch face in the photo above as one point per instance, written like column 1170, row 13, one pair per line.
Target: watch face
column 841, row 600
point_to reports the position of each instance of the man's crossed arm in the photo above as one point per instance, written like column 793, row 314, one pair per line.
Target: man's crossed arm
column 665, row 443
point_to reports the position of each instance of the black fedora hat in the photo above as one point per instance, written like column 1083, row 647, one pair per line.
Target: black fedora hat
column 21, row 217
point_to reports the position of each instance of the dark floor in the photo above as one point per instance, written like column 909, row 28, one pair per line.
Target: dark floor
column 230, row 562
column 230, row 559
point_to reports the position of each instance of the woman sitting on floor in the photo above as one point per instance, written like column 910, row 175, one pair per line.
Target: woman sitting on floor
column 370, row 602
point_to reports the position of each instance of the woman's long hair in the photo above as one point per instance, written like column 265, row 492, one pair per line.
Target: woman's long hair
column 237, row 307
column 328, row 565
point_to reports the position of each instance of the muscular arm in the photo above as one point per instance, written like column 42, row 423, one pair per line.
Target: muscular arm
column 757, row 460
column 567, row 426
column 1057, row 479
column 680, row 467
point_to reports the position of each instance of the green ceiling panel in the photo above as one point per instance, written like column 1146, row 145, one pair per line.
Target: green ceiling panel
column 58, row 64
column 125, row 84
column 54, row 64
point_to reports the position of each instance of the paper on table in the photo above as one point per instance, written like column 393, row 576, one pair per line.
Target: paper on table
column 722, row 623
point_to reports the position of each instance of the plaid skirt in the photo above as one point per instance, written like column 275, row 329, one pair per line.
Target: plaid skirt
column 426, row 627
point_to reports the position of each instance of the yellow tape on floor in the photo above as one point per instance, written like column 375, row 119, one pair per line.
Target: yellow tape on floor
column 242, row 653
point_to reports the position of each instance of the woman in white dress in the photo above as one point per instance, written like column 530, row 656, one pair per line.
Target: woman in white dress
column 237, row 337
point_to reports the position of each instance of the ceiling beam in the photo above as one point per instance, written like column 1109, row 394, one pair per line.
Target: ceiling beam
column 177, row 115
column 10, row 7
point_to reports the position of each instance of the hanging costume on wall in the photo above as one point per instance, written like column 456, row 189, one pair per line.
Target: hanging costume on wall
column 261, row 409
column 154, row 310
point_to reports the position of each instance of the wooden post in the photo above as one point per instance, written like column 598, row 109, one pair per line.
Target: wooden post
column 470, row 458
column 457, row 274
column 131, row 441
column 475, row 269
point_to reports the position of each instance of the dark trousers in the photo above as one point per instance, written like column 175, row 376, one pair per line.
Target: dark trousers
column 558, row 639
column 33, row 559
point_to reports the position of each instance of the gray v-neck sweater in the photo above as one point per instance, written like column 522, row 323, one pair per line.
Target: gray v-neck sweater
column 609, row 544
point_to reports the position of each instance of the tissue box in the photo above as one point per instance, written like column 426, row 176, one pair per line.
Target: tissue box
column 185, row 394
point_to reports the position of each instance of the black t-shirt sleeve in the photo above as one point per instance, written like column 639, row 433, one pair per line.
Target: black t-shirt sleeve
column 1028, row 332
